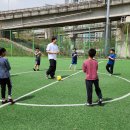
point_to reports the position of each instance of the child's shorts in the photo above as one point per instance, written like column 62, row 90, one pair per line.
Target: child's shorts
column 37, row 62
column 74, row 62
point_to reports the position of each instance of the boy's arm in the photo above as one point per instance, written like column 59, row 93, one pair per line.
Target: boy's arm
column 112, row 58
column 35, row 53
column 84, row 67
column 7, row 64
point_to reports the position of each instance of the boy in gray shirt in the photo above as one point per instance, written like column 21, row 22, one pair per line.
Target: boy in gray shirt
column 5, row 77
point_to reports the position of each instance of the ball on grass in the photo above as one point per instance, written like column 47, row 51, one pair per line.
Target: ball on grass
column 59, row 78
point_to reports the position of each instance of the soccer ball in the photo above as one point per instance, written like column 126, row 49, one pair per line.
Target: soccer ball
column 59, row 78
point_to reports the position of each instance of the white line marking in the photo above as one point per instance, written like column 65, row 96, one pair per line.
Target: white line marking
column 37, row 72
column 71, row 105
column 75, row 105
column 41, row 87
column 22, row 73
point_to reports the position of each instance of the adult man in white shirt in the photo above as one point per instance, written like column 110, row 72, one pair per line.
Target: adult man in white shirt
column 52, row 50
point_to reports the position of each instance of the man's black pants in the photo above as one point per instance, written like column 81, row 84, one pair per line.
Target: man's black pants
column 3, row 83
column 109, row 68
column 52, row 68
column 89, row 88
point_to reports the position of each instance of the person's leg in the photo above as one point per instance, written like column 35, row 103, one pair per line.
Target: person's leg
column 75, row 65
column 38, row 65
column 108, row 68
column 53, row 69
column 70, row 66
column 35, row 66
column 111, row 69
column 9, row 84
column 98, row 90
column 50, row 67
column 89, row 91
column 3, row 90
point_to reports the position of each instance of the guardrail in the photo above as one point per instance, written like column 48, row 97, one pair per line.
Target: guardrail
column 88, row 4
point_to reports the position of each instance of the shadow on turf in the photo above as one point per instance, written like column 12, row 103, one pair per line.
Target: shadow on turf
column 117, row 74
column 14, row 75
column 79, row 69
column 64, row 76
column 26, row 98
column 103, row 104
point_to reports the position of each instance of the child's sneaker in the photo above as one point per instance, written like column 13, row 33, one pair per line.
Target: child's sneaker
column 89, row 104
column 5, row 101
column 34, row 69
column 11, row 101
column 100, row 102
column 38, row 70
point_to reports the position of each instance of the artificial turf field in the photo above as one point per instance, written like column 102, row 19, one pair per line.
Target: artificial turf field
column 113, row 115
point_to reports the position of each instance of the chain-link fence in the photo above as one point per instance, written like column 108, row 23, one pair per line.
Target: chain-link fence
column 24, row 42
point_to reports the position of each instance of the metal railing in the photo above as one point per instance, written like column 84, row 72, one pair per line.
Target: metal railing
column 88, row 4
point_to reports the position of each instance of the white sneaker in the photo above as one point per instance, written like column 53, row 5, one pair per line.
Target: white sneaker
column 88, row 104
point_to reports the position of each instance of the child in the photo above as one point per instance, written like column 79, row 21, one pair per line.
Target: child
column 90, row 67
column 5, row 77
column 110, row 64
column 38, row 59
column 74, row 59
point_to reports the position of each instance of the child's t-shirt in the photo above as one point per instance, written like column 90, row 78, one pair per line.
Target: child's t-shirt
column 74, row 56
column 38, row 55
column 110, row 61
column 90, row 67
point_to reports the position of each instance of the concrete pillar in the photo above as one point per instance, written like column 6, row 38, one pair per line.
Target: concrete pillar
column 48, row 33
column 73, row 38
column 123, row 41
column 107, row 47
column 1, row 34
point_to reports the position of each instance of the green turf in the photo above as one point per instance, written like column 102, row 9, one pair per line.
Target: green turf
column 111, row 116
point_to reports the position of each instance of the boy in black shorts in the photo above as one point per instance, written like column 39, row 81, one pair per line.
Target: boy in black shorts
column 37, row 60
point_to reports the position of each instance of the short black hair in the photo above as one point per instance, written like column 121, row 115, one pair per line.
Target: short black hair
column 112, row 50
column 74, row 49
column 2, row 50
column 37, row 48
column 53, row 38
column 92, row 52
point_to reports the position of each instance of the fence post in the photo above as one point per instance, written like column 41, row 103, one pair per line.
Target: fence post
column 11, row 42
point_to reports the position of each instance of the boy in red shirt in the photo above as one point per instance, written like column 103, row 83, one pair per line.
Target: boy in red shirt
column 90, row 67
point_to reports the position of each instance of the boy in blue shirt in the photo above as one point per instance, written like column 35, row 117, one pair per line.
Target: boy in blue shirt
column 111, row 61
column 5, row 77
column 74, row 59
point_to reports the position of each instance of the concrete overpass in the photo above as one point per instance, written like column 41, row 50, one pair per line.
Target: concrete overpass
column 91, row 29
column 63, row 15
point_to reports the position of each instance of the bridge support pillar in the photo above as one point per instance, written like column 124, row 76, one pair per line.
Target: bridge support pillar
column 73, row 38
column 0, row 34
column 123, row 41
column 48, row 33
column 108, row 46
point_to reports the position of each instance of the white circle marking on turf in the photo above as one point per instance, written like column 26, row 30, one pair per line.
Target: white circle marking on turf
column 75, row 105
column 41, row 87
